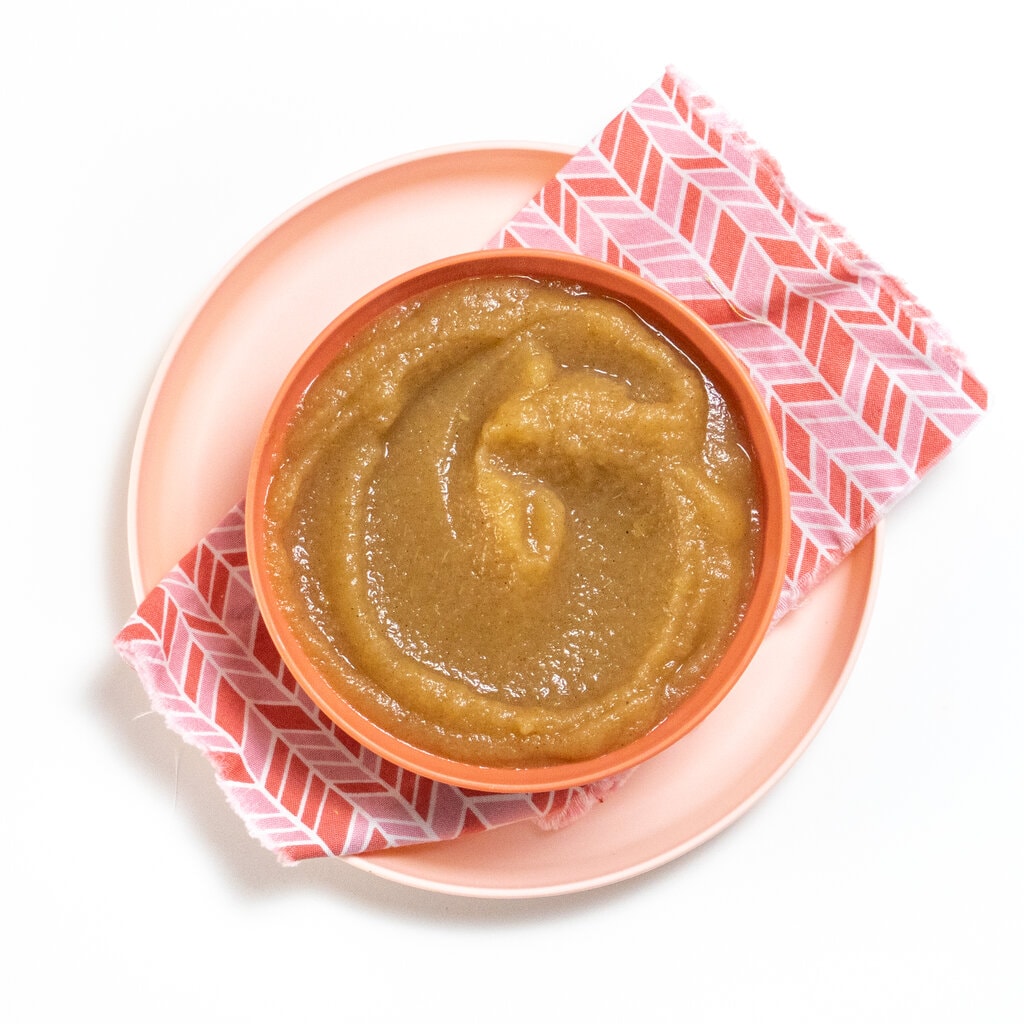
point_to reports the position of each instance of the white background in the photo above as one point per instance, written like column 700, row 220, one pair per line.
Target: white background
column 880, row 880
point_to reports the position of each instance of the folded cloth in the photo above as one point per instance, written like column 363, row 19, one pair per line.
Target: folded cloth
column 862, row 385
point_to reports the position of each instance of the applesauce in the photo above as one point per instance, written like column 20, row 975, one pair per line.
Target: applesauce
column 512, row 524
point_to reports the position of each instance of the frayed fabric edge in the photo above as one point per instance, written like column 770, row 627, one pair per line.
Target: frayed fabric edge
column 581, row 801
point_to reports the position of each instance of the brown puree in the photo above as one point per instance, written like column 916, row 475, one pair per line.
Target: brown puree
column 512, row 525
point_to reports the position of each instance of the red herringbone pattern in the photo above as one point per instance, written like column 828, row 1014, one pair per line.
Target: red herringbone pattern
column 301, row 785
column 861, row 383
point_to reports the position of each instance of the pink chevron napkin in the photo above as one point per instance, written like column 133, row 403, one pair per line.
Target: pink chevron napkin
column 863, row 386
column 303, row 787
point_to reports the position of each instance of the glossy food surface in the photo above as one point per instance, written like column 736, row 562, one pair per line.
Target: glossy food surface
column 512, row 524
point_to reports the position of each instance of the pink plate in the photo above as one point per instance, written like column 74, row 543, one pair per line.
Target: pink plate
column 216, row 383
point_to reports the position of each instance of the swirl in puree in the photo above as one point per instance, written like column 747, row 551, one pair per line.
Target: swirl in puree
column 512, row 524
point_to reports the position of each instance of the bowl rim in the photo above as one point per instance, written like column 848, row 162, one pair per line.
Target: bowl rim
column 669, row 316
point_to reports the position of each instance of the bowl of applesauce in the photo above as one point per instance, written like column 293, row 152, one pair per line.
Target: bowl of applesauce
column 517, row 520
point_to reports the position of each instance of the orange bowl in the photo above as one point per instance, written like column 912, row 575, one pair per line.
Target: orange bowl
column 689, row 334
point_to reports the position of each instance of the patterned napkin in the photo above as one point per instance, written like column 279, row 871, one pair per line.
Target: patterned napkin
column 861, row 383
